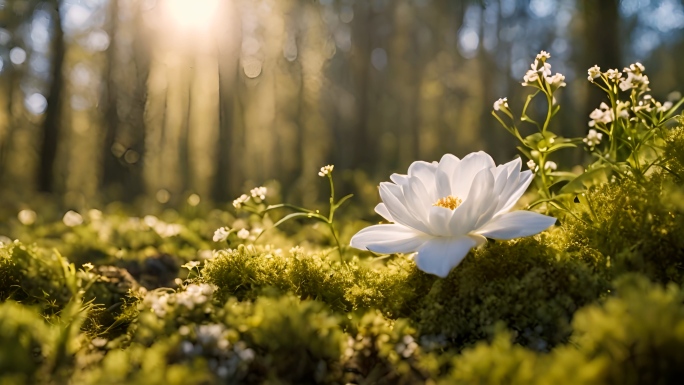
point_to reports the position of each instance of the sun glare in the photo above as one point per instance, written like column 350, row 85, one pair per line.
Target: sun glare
column 192, row 14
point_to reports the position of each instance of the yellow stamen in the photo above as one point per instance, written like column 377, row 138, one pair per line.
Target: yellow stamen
column 450, row 202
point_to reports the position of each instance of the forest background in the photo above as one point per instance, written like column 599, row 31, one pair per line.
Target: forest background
column 151, row 101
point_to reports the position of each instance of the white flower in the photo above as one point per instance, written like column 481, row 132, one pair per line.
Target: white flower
column 442, row 210
column 325, row 170
column 636, row 68
column 243, row 234
column 531, row 165
column 27, row 217
column 259, row 192
column 614, row 74
column 604, row 114
column 593, row 138
column 635, row 81
column 664, row 107
column 549, row 165
column 530, row 77
column 221, row 234
column 556, row 81
column 594, row 72
column 242, row 199
column 72, row 218
column 501, row 103
column 543, row 56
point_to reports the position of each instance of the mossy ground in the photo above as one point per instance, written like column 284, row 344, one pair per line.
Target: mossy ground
column 596, row 300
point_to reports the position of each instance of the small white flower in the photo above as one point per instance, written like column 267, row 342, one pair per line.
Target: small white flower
column 501, row 103
column 191, row 265
column 604, row 114
column 325, row 170
column 243, row 234
column 259, row 192
column 72, row 218
column 636, row 68
column 543, row 56
column 242, row 199
column 594, row 72
column 442, row 210
column 530, row 77
column 593, row 138
column 666, row 106
column 635, row 81
column 532, row 165
column 221, row 234
column 27, row 217
column 556, row 81
column 257, row 230
column 614, row 75
column 549, row 165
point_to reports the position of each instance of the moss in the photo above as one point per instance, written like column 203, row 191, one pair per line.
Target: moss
column 533, row 288
column 393, row 288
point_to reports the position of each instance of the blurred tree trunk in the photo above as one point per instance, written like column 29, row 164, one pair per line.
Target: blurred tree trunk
column 363, row 142
column 229, row 42
column 51, row 125
column 602, row 46
column 114, row 169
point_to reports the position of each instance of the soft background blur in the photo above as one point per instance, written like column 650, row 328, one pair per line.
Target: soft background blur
column 104, row 100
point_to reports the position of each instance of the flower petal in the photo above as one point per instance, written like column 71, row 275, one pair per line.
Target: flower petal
column 393, row 198
column 417, row 198
column 439, row 218
column 465, row 172
column 480, row 199
column 514, row 190
column 426, row 173
column 388, row 239
column 445, row 170
column 439, row 255
column 516, row 224
column 381, row 209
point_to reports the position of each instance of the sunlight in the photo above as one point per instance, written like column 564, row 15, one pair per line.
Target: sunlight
column 192, row 14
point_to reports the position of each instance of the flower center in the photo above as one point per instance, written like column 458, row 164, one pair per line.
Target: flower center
column 450, row 202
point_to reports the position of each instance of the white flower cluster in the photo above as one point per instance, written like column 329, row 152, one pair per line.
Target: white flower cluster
column 325, row 170
column 635, row 78
column 194, row 295
column 548, row 165
column 593, row 138
column 540, row 69
column 501, row 104
column 259, row 192
column 165, row 230
column 242, row 199
column 407, row 346
column 221, row 234
column 243, row 234
column 594, row 73
column 604, row 114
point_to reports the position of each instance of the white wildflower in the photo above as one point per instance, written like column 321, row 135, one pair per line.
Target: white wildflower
column 325, row 170
column 532, row 165
column 442, row 210
column 259, row 192
column 556, row 81
column 635, row 81
column 593, row 138
column 543, row 56
column 242, row 199
column 664, row 107
column 221, row 234
column 243, row 234
column 72, row 218
column 594, row 72
column 550, row 165
column 614, row 75
column 501, row 103
column 636, row 68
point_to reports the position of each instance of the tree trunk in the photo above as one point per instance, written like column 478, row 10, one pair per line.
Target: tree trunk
column 48, row 149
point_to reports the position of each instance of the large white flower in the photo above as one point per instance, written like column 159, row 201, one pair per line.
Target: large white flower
column 442, row 210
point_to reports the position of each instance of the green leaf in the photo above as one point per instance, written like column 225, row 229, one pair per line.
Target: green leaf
column 586, row 179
